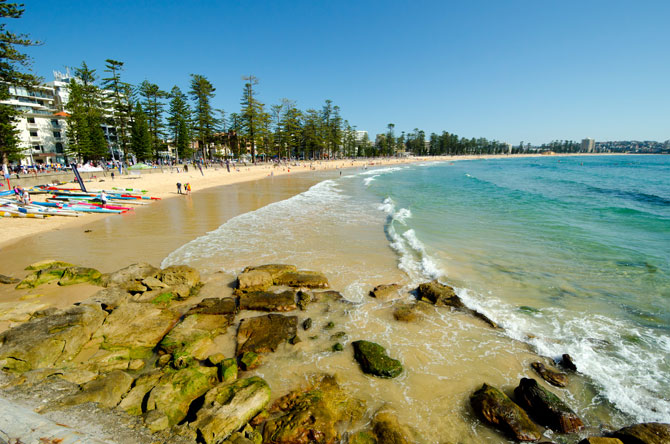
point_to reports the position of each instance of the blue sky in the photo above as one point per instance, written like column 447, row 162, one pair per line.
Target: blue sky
column 514, row 71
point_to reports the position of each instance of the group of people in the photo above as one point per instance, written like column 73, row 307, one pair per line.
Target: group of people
column 22, row 195
column 187, row 188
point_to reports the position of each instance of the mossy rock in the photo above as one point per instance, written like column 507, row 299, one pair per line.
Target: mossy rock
column 249, row 360
column 176, row 390
column 228, row 407
column 40, row 277
column 316, row 412
column 374, row 361
column 80, row 275
column 49, row 263
column 497, row 409
column 228, row 370
column 362, row 437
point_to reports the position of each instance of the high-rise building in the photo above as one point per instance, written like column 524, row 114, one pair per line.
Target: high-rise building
column 43, row 124
column 588, row 145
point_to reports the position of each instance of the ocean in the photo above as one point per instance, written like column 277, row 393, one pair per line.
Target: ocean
column 567, row 254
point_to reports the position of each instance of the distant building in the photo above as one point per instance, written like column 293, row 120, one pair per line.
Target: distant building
column 588, row 145
column 360, row 135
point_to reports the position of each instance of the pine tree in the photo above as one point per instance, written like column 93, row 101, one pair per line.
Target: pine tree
column 115, row 93
column 153, row 109
column 178, row 123
column 202, row 92
column 140, row 137
column 12, row 62
column 252, row 112
column 86, row 139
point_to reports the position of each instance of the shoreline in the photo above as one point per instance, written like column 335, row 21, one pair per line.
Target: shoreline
column 371, row 322
column 162, row 185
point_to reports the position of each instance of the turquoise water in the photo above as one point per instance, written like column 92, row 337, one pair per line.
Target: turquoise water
column 573, row 252
column 568, row 254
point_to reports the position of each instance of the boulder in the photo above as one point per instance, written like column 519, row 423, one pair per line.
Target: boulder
column 176, row 275
column 645, row 433
column 567, row 362
column 302, row 279
column 408, row 312
column 600, row 440
column 264, row 334
column 228, row 370
column 153, row 283
column 136, row 325
column 373, row 360
column 439, row 294
column 156, row 421
column 108, row 299
column 50, row 341
column 8, row 279
column 552, row 376
column 106, row 390
column 130, row 274
column 268, row 301
column 21, row 311
column 254, row 280
column 39, row 277
column 48, row 263
column 218, row 306
column 546, row 407
column 192, row 335
column 307, row 324
column 176, row 390
column 80, row 275
column 497, row 409
column 228, row 407
column 304, row 299
column 274, row 270
column 327, row 296
column 388, row 430
column 386, row 292
column 132, row 402
column 249, row 360
column 312, row 415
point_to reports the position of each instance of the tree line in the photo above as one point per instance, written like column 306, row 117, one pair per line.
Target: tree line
column 144, row 117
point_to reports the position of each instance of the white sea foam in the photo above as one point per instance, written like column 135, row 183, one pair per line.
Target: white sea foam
column 236, row 236
column 628, row 376
column 368, row 180
column 412, row 256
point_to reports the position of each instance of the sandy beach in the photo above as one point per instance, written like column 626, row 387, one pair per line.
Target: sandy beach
column 163, row 185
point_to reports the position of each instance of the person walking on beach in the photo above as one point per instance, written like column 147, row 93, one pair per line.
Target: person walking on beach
column 178, row 187
column 188, row 188
column 200, row 168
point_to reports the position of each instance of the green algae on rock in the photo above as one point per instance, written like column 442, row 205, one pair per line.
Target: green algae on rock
column 497, row 409
column 374, row 361
column 229, row 406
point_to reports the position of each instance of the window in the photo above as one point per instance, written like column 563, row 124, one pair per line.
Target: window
column 33, row 134
column 57, row 134
column 31, row 120
column 54, row 122
column 59, row 148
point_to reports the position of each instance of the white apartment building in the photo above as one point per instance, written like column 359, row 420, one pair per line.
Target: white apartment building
column 43, row 125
